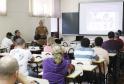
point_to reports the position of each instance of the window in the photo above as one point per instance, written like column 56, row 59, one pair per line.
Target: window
column 54, row 25
column 47, row 8
column 3, row 5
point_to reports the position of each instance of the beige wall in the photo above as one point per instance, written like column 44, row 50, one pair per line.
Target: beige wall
column 73, row 5
column 18, row 18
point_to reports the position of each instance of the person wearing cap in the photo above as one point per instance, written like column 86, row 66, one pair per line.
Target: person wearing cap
column 7, row 41
column 43, row 32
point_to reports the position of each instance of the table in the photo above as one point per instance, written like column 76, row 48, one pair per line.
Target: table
column 35, row 49
column 74, row 74
column 86, row 67
column 89, row 67
column 37, row 61
column 112, row 54
column 41, row 81
column 101, row 65
column 66, row 49
column 2, row 50
column 4, row 54
column 99, row 62
column 80, row 68
column 37, row 57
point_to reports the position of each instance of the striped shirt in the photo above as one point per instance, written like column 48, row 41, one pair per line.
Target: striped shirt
column 84, row 54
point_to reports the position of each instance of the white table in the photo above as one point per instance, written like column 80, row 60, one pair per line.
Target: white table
column 84, row 67
column 75, row 74
column 4, row 54
column 112, row 54
column 41, row 81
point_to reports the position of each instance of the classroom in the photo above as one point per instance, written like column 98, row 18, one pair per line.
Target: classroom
column 61, row 42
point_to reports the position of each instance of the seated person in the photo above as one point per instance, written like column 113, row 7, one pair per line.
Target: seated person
column 111, row 45
column 57, row 41
column 50, row 42
column 36, row 41
column 7, row 42
column 102, row 53
column 8, row 70
column 22, row 55
column 119, row 40
column 17, row 35
column 85, row 53
column 9, row 73
column 55, row 69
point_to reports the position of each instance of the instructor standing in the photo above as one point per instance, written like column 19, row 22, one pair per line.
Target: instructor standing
column 43, row 32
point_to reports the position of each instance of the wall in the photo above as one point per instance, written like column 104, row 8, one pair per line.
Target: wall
column 72, row 6
column 18, row 18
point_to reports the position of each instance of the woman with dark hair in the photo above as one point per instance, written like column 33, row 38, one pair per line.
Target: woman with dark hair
column 17, row 35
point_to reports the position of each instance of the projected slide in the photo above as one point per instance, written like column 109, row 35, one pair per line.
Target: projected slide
column 100, row 18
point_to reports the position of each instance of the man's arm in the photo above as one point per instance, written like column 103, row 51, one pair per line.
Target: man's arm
column 36, row 31
column 46, row 30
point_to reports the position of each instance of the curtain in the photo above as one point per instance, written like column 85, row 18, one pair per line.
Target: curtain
column 47, row 8
column 3, row 7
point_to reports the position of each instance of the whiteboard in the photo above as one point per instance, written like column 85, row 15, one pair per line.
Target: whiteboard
column 100, row 17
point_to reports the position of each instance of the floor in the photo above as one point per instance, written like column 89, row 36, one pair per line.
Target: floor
column 120, row 81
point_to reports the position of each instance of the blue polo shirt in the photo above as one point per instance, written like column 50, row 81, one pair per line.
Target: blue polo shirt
column 84, row 53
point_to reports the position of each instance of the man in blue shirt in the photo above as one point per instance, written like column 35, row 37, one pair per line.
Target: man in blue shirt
column 85, row 53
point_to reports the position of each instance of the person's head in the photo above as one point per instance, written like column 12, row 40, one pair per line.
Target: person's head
column 117, row 35
column 41, row 23
column 85, row 42
column 111, row 35
column 8, row 69
column 20, row 43
column 57, row 52
column 58, row 41
column 98, row 41
column 9, row 35
column 17, row 33
column 50, row 41
column 120, row 32
column 37, row 37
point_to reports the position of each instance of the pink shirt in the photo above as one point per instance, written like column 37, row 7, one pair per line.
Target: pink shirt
column 47, row 49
